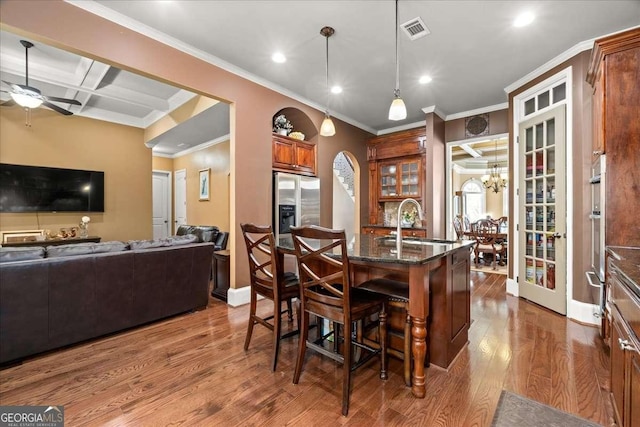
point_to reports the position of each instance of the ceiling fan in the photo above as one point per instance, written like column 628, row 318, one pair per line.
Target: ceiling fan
column 30, row 97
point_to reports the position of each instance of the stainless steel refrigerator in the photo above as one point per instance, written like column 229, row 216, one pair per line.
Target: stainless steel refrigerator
column 296, row 202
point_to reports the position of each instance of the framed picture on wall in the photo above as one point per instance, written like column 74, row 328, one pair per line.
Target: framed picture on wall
column 203, row 184
column 22, row 236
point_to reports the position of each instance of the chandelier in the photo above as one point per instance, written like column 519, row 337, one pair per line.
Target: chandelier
column 496, row 180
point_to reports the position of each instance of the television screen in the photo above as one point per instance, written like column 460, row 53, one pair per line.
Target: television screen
column 41, row 189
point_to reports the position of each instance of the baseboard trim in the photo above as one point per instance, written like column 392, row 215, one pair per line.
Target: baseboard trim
column 512, row 287
column 583, row 312
column 238, row 297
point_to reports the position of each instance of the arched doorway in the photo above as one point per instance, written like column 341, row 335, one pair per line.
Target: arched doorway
column 346, row 194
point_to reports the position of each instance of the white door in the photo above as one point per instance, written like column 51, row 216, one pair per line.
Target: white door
column 542, row 198
column 181, row 197
column 161, row 191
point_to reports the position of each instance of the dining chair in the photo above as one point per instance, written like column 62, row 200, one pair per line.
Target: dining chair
column 485, row 234
column 268, row 282
column 326, row 291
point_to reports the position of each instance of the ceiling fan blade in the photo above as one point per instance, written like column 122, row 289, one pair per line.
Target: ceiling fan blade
column 64, row 100
column 56, row 108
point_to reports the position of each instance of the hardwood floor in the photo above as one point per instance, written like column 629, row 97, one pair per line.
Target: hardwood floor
column 192, row 370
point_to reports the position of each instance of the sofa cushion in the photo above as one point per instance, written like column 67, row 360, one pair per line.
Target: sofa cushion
column 147, row 244
column 69, row 250
column 205, row 233
column 114, row 246
column 182, row 240
column 21, row 254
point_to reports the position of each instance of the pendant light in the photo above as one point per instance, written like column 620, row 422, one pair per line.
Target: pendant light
column 327, row 128
column 397, row 111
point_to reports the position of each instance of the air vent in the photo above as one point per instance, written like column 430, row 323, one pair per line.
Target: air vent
column 415, row 28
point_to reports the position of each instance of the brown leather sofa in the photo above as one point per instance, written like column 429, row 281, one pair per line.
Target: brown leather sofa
column 48, row 303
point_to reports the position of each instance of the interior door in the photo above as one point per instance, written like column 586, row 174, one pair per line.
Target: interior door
column 542, row 201
column 161, row 204
column 180, row 200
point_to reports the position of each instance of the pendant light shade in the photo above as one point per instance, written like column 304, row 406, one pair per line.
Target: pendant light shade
column 397, row 111
column 327, row 128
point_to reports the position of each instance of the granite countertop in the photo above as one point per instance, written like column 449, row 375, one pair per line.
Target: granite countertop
column 393, row 227
column 366, row 247
column 627, row 261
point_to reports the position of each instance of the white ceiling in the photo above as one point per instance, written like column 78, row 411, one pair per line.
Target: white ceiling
column 473, row 53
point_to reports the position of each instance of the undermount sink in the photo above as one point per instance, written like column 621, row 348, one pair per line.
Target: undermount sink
column 414, row 241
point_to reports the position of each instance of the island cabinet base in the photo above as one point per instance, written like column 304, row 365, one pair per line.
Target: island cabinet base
column 448, row 301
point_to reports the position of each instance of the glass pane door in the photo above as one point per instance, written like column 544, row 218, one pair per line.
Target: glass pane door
column 388, row 180
column 410, row 178
column 542, row 146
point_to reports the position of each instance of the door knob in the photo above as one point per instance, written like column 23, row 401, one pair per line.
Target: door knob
column 556, row 235
column 625, row 345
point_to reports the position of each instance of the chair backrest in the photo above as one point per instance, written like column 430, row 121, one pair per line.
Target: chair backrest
column 466, row 223
column 484, row 231
column 503, row 223
column 457, row 226
column 263, row 264
column 323, row 267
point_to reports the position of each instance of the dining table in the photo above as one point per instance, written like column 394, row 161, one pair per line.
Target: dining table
column 437, row 274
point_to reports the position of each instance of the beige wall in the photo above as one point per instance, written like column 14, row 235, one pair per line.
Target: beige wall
column 79, row 143
column 252, row 107
column 214, row 211
column 494, row 200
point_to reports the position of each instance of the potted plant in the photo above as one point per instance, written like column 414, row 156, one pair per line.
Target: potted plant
column 281, row 125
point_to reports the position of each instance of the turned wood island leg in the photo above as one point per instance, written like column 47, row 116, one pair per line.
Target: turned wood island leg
column 419, row 350
column 419, row 311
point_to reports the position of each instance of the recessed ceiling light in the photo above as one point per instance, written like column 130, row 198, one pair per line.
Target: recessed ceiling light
column 524, row 19
column 425, row 79
column 336, row 89
column 278, row 58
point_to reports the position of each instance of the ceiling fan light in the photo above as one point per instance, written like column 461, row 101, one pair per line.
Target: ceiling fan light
column 397, row 111
column 26, row 101
column 327, row 128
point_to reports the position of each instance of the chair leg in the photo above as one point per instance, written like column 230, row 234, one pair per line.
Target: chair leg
column 346, row 368
column 495, row 260
column 407, row 348
column 290, row 310
column 252, row 314
column 302, row 345
column 383, row 342
column 277, row 317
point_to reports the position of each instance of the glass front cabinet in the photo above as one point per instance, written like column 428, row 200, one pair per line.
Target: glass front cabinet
column 399, row 179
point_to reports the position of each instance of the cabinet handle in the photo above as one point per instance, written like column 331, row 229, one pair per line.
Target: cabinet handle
column 597, row 152
column 625, row 345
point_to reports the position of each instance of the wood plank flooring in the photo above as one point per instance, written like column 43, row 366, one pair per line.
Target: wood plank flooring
column 192, row 370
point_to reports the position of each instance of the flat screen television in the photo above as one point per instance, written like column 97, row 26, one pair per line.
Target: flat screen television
column 42, row 189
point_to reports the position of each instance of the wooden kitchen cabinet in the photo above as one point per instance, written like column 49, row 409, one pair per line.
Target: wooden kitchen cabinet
column 396, row 170
column 294, row 155
column 624, row 284
column 613, row 72
column 400, row 179
column 386, row 231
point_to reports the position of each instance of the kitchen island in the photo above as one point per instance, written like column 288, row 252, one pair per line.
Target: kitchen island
column 437, row 272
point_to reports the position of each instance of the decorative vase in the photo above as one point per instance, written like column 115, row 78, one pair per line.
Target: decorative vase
column 84, row 230
column 282, row 132
column 406, row 224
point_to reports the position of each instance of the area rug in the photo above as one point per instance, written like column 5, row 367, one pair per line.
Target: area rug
column 515, row 410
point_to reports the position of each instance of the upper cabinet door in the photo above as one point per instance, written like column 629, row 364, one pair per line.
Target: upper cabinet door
column 400, row 179
column 292, row 155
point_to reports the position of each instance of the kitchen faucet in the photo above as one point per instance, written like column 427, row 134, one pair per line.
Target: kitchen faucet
column 399, row 230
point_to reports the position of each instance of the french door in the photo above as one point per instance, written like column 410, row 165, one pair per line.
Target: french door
column 542, row 198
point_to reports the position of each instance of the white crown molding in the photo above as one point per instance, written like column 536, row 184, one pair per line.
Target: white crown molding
column 434, row 109
column 193, row 149
column 489, row 109
column 113, row 16
column 564, row 56
column 422, row 123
